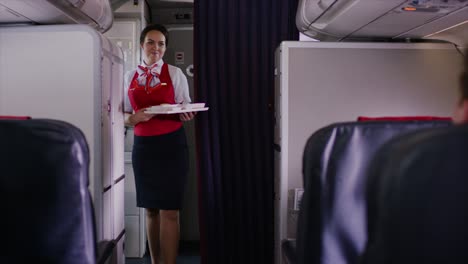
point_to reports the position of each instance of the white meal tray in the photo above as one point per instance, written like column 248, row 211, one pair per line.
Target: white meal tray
column 176, row 108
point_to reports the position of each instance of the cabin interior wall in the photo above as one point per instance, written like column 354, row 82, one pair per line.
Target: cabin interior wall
column 343, row 84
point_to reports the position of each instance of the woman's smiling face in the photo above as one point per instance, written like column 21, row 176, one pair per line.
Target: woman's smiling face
column 154, row 46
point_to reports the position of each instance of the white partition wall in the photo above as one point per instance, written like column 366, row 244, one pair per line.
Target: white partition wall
column 73, row 73
column 321, row 83
column 125, row 34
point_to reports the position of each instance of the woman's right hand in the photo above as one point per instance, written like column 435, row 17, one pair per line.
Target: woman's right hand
column 140, row 116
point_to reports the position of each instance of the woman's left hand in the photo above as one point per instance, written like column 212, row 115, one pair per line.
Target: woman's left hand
column 187, row 116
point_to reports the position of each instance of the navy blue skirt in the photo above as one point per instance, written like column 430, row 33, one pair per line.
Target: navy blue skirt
column 160, row 165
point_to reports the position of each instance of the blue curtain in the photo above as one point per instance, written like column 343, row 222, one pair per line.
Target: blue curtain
column 234, row 47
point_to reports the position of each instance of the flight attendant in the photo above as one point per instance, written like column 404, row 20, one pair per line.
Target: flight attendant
column 159, row 156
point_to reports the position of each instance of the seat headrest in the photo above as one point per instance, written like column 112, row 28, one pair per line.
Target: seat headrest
column 48, row 214
column 418, row 193
column 332, row 220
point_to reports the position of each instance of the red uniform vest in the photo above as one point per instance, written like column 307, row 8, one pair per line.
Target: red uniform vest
column 143, row 96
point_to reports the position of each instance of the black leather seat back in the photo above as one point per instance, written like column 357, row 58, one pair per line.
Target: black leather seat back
column 332, row 221
column 418, row 199
column 47, row 213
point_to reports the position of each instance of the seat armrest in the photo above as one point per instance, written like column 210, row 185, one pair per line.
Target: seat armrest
column 288, row 247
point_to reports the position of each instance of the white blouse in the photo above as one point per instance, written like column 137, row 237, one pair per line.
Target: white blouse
column 179, row 81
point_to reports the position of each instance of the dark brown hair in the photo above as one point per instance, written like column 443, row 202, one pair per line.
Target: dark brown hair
column 157, row 27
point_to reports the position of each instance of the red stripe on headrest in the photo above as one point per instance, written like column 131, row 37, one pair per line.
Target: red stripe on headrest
column 404, row 118
column 15, row 117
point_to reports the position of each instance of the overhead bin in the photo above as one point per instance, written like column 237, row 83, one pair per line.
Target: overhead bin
column 95, row 13
column 337, row 20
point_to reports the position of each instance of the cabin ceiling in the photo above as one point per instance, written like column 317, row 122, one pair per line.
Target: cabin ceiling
column 388, row 20
column 457, row 34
